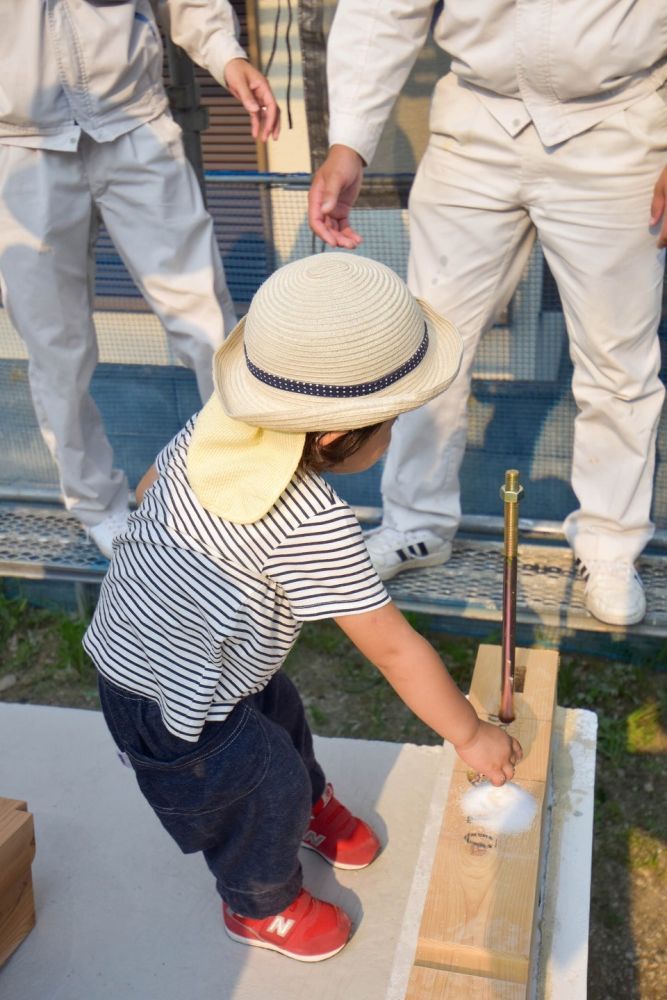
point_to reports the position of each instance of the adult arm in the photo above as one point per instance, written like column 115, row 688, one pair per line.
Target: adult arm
column 658, row 205
column 417, row 674
column 371, row 49
column 207, row 30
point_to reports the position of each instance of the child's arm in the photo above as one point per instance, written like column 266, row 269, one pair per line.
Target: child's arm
column 417, row 674
column 147, row 480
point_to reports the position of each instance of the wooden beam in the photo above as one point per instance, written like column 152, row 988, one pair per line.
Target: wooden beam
column 434, row 984
column 478, row 931
column 17, row 850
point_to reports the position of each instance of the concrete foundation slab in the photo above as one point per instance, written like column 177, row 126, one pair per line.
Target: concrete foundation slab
column 123, row 915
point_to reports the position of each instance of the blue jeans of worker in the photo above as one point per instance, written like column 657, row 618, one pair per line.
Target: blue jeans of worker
column 241, row 795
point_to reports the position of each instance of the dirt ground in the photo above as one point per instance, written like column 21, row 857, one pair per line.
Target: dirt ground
column 41, row 662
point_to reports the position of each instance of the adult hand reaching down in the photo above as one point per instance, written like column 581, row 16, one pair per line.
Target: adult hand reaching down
column 332, row 196
column 253, row 91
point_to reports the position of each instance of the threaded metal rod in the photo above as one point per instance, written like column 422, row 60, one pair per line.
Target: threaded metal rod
column 510, row 494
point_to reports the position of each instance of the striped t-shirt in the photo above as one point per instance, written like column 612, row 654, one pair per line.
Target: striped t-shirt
column 197, row 613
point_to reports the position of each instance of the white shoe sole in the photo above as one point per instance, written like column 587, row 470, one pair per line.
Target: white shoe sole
column 339, row 864
column 257, row 943
column 610, row 619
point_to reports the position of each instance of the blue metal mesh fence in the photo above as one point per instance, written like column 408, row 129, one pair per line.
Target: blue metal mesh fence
column 521, row 408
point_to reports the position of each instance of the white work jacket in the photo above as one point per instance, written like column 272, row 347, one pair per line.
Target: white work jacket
column 96, row 66
column 565, row 65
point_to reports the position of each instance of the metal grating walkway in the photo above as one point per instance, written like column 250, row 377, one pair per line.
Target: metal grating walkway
column 549, row 592
column 45, row 543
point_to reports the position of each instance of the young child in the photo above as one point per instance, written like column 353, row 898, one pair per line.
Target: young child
column 238, row 541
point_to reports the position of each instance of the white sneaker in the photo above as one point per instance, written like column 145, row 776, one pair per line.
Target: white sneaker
column 104, row 533
column 614, row 592
column 393, row 551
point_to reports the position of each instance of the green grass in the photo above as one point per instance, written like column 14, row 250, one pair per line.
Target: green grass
column 346, row 696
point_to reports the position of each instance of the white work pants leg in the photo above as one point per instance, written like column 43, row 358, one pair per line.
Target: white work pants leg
column 476, row 197
column 46, row 225
column 593, row 221
column 470, row 240
column 151, row 204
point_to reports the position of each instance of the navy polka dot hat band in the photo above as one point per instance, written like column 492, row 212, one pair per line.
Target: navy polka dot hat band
column 334, row 342
column 338, row 391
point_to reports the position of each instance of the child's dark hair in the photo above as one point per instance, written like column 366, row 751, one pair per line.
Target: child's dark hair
column 319, row 457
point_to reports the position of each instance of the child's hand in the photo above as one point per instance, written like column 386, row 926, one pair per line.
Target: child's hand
column 491, row 752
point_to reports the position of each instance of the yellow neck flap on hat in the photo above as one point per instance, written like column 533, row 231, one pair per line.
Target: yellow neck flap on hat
column 237, row 471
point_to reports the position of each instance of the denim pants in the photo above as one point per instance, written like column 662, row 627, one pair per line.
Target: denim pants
column 241, row 795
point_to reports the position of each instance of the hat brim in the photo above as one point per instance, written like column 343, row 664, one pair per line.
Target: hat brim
column 246, row 398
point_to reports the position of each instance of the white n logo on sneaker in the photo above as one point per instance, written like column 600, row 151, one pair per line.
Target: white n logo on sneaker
column 310, row 837
column 280, row 926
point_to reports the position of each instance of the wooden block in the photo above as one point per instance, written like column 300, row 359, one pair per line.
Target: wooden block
column 17, row 850
column 10, row 805
column 17, row 843
column 479, row 918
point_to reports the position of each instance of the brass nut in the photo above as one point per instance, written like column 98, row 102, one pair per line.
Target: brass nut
column 510, row 496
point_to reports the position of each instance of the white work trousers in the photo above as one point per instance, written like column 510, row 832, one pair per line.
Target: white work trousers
column 148, row 197
column 478, row 199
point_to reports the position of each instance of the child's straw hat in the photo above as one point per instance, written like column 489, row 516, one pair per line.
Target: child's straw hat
column 332, row 342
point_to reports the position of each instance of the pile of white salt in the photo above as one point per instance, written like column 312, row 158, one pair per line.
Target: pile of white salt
column 506, row 809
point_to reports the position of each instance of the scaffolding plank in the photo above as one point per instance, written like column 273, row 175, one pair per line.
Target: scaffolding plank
column 481, row 909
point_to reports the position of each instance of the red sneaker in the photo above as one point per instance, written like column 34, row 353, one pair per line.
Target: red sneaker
column 338, row 836
column 309, row 929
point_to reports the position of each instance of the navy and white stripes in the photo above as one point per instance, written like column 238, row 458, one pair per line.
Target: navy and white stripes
column 197, row 613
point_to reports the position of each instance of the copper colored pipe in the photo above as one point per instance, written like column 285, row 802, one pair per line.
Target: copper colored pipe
column 510, row 494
